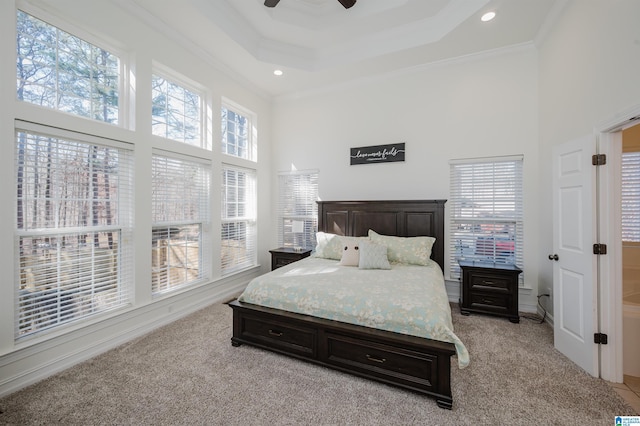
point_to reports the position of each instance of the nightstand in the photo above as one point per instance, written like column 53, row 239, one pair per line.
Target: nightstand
column 489, row 288
column 285, row 255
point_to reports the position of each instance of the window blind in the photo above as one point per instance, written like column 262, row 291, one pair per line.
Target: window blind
column 631, row 197
column 297, row 208
column 73, row 227
column 180, row 214
column 486, row 210
column 239, row 232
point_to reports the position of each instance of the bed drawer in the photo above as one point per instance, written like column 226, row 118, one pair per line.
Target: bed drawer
column 414, row 363
column 278, row 335
column 389, row 363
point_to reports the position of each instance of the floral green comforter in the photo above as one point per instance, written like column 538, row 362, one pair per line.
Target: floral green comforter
column 407, row 299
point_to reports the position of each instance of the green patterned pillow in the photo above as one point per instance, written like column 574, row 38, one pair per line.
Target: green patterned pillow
column 373, row 256
column 329, row 246
column 408, row 250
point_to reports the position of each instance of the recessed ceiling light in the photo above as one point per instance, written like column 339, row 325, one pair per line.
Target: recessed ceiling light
column 278, row 72
column 488, row 16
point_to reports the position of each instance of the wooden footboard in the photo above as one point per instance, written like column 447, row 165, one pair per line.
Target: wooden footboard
column 414, row 363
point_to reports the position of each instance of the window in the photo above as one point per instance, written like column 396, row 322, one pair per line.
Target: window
column 239, row 232
column 631, row 197
column 73, row 229
column 180, row 211
column 58, row 70
column 176, row 112
column 486, row 211
column 297, row 208
column 237, row 137
column 239, row 198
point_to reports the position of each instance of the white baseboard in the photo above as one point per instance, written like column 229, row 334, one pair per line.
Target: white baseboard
column 31, row 364
column 548, row 318
column 36, row 362
column 453, row 292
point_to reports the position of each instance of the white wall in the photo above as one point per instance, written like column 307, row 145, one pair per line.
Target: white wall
column 485, row 105
column 589, row 74
column 519, row 101
column 24, row 362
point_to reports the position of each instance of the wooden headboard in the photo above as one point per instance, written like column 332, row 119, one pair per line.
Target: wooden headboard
column 399, row 218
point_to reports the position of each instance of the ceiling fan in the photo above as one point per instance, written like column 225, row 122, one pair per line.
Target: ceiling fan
column 346, row 3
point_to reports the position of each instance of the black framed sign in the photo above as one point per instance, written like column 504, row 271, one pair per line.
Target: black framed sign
column 377, row 154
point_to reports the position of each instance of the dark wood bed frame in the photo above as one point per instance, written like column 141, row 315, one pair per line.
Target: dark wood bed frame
column 419, row 364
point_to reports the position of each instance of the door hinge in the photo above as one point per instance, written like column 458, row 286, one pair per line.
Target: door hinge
column 599, row 249
column 599, row 159
column 600, row 338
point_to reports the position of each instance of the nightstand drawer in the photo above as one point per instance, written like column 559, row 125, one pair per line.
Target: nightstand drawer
column 489, row 288
column 492, row 302
column 489, row 282
column 281, row 261
column 285, row 255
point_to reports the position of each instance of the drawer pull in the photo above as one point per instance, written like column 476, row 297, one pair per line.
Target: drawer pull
column 487, row 301
column 374, row 359
column 275, row 333
column 488, row 282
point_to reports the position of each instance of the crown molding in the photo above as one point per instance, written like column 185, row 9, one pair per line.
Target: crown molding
column 550, row 21
column 162, row 27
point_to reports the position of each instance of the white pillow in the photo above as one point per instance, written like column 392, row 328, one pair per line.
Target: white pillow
column 373, row 256
column 350, row 252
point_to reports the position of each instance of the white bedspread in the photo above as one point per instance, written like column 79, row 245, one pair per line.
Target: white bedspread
column 407, row 299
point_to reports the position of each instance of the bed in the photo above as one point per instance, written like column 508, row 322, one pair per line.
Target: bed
column 395, row 354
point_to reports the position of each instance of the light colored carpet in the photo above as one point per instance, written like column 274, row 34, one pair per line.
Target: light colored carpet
column 188, row 373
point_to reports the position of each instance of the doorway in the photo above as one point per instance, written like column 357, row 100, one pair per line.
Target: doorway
column 630, row 209
column 610, row 268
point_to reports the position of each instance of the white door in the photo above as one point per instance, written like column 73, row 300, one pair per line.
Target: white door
column 575, row 270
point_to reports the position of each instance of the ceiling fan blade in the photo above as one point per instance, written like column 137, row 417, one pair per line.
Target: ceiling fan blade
column 347, row 3
column 271, row 3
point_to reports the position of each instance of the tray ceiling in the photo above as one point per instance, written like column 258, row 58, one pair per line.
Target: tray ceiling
column 318, row 43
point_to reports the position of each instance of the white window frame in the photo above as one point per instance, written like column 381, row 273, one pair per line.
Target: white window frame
column 251, row 148
column 298, row 208
column 122, row 119
column 486, row 211
column 237, row 257
column 172, row 77
column 43, row 280
column 172, row 250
